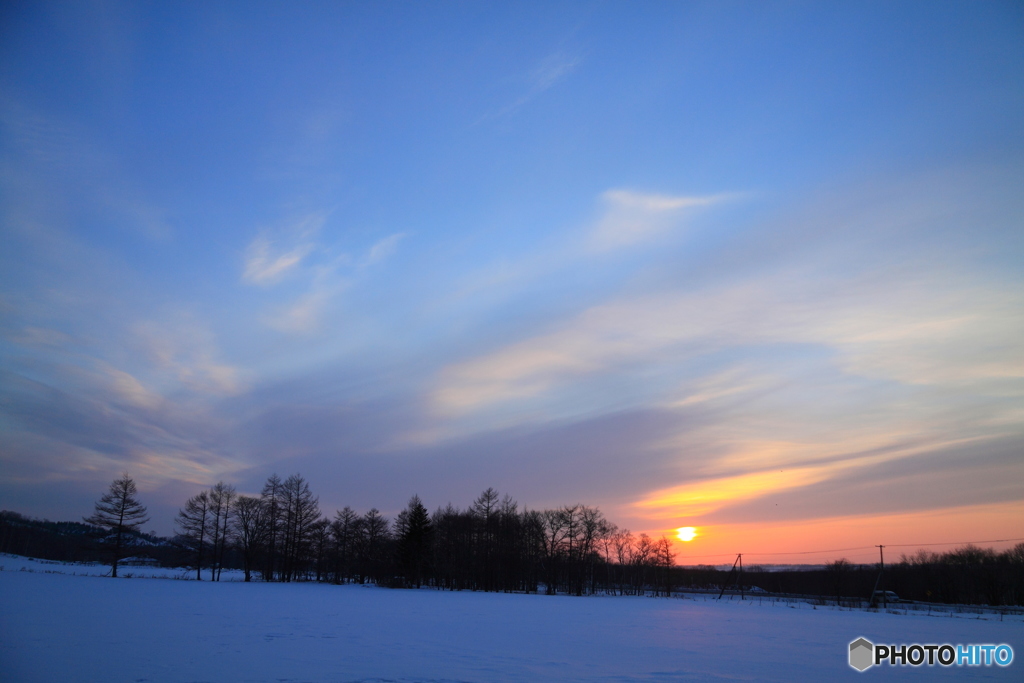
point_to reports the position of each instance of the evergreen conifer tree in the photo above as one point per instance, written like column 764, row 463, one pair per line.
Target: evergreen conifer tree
column 414, row 542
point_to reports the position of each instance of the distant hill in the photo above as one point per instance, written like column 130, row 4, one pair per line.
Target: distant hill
column 74, row 541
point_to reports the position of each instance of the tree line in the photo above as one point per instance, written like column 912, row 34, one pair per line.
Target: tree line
column 491, row 545
column 968, row 575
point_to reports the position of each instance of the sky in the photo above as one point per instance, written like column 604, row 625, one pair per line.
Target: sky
column 754, row 268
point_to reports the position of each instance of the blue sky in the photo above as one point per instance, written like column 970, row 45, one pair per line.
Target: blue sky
column 718, row 265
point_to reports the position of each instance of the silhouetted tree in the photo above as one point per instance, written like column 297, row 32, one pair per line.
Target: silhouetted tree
column 643, row 557
column 453, row 548
column 484, row 509
column 220, row 497
column 510, row 549
column 320, row 533
column 1014, row 558
column 533, row 544
column 555, row 534
column 272, row 509
column 119, row 512
column 301, row 510
column 593, row 528
column 250, row 524
column 373, row 540
column 415, row 536
column 345, row 530
column 194, row 525
column 664, row 559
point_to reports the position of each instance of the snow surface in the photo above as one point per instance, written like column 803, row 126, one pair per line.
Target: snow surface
column 20, row 563
column 74, row 627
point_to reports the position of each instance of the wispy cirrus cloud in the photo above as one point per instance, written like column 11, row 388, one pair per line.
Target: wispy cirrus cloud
column 635, row 217
column 265, row 266
column 382, row 249
column 326, row 272
column 101, row 418
column 550, row 71
column 962, row 333
column 626, row 218
column 130, row 389
column 267, row 263
column 554, row 68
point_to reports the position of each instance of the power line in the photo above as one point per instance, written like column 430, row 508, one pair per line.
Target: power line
column 998, row 540
column 815, row 552
column 802, row 552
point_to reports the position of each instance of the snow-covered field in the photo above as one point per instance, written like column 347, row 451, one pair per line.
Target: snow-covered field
column 31, row 564
column 76, row 627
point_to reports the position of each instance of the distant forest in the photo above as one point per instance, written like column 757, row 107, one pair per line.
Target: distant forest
column 492, row 545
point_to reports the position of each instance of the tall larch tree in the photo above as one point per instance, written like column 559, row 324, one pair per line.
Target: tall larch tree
column 120, row 513
column 194, row 522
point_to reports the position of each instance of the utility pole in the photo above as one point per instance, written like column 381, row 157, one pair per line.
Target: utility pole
column 881, row 568
column 738, row 561
column 743, row 594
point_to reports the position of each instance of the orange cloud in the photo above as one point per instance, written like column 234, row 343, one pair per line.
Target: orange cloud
column 700, row 498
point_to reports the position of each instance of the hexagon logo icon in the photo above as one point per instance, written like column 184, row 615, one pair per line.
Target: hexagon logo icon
column 861, row 654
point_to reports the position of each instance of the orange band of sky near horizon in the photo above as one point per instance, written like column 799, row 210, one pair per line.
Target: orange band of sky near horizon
column 904, row 533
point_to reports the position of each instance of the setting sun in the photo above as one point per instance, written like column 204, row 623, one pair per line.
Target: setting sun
column 686, row 533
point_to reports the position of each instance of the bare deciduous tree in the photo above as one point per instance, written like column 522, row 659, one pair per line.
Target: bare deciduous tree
column 193, row 522
column 345, row 531
column 221, row 497
column 301, row 511
column 250, row 524
column 271, row 500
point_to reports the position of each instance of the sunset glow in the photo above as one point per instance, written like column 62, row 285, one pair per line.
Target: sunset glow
column 853, row 537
